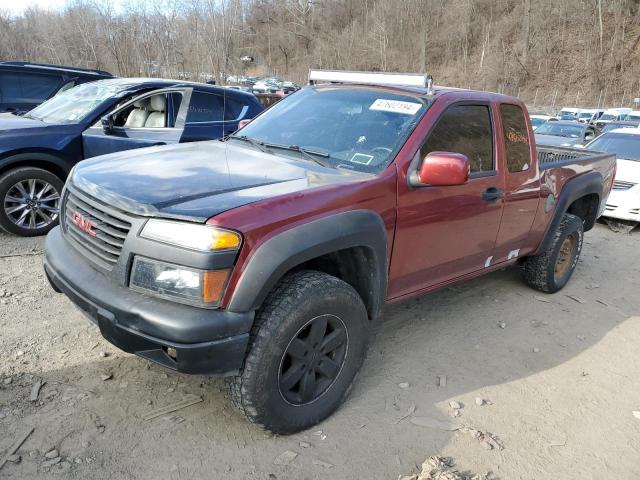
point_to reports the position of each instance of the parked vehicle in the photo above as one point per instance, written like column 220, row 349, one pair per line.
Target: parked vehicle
column 589, row 115
column 568, row 113
column 24, row 85
column 38, row 149
column 633, row 116
column 624, row 200
column 266, row 256
column 612, row 115
column 537, row 120
column 565, row 133
column 620, row 124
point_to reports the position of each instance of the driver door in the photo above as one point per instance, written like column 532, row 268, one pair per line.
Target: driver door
column 154, row 118
column 446, row 232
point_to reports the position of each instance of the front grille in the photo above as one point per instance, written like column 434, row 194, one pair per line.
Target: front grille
column 110, row 229
column 620, row 185
column 609, row 208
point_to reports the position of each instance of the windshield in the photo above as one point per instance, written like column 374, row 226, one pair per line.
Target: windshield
column 613, row 126
column 585, row 115
column 77, row 103
column 560, row 130
column 608, row 116
column 566, row 115
column 624, row 145
column 536, row 122
column 355, row 128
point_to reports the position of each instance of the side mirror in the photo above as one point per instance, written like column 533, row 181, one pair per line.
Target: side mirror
column 441, row 169
column 107, row 124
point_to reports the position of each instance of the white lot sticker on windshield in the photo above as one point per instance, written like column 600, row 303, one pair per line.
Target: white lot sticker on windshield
column 361, row 158
column 395, row 106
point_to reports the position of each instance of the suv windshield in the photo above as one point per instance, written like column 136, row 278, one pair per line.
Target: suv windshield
column 75, row 104
column 608, row 116
column 624, row 145
column 359, row 128
column 560, row 130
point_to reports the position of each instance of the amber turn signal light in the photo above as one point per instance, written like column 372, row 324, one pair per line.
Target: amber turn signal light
column 213, row 283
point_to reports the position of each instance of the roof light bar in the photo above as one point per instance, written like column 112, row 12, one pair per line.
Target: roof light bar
column 373, row 78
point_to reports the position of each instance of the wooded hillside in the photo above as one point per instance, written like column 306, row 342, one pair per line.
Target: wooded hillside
column 580, row 52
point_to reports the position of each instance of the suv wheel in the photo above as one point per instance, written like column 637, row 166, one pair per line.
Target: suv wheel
column 307, row 345
column 551, row 270
column 30, row 201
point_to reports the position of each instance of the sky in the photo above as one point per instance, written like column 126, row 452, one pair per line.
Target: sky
column 16, row 7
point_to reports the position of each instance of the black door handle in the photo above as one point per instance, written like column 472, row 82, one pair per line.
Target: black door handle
column 492, row 194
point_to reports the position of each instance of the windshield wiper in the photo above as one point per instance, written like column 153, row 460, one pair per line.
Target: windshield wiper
column 309, row 154
column 259, row 145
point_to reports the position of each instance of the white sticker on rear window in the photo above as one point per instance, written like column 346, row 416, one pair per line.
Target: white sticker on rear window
column 395, row 106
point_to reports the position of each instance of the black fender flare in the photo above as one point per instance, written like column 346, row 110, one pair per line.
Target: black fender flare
column 578, row 187
column 330, row 234
column 13, row 160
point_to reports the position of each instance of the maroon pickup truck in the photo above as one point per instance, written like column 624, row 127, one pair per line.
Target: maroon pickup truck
column 265, row 257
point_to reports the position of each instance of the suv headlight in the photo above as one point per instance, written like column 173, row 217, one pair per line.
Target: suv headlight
column 174, row 282
column 192, row 235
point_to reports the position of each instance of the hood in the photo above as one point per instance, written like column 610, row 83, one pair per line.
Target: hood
column 195, row 181
column 10, row 122
column 556, row 141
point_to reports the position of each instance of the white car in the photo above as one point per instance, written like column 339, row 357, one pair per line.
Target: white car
column 589, row 115
column 633, row 116
column 568, row 113
column 537, row 120
column 624, row 199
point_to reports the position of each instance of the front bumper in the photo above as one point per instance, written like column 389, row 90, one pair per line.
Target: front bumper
column 623, row 205
column 205, row 341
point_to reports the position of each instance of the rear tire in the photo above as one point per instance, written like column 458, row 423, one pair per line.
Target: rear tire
column 551, row 270
column 307, row 345
column 29, row 201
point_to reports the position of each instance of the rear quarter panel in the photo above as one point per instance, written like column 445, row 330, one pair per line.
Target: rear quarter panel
column 555, row 176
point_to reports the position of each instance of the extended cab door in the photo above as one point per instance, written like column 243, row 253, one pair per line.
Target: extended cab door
column 446, row 232
column 522, row 184
column 154, row 118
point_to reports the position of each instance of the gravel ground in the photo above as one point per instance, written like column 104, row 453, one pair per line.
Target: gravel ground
column 546, row 385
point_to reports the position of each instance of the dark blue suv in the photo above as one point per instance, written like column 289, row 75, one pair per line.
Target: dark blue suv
column 38, row 149
column 25, row 85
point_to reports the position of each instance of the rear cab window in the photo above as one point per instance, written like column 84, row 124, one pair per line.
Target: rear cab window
column 516, row 138
column 464, row 129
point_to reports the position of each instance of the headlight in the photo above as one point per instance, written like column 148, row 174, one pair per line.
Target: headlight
column 182, row 284
column 191, row 235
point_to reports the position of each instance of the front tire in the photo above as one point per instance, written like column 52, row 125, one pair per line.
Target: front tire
column 551, row 270
column 307, row 345
column 29, row 201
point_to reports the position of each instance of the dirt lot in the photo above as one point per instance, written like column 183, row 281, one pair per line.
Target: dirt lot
column 558, row 376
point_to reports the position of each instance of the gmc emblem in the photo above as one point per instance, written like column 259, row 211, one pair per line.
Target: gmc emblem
column 83, row 223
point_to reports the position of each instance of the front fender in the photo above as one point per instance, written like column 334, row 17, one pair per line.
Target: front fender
column 278, row 255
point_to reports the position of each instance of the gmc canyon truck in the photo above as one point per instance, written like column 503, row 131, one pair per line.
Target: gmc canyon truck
column 265, row 257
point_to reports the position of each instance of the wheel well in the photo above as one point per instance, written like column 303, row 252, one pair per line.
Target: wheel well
column 586, row 208
column 356, row 266
column 43, row 164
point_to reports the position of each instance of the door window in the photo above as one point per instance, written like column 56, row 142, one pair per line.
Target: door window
column 27, row 87
column 154, row 111
column 464, row 129
column 516, row 138
column 210, row 107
